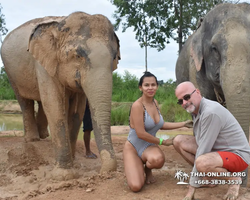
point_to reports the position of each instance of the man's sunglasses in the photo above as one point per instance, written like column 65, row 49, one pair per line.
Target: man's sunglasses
column 186, row 97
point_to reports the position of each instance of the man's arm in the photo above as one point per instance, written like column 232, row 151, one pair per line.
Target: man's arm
column 210, row 126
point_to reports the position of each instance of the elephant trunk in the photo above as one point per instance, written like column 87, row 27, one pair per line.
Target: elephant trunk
column 98, row 89
column 238, row 104
column 235, row 80
column 100, row 107
column 240, row 109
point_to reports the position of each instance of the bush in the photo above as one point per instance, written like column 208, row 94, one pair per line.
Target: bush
column 125, row 92
column 125, row 89
column 6, row 91
column 120, row 113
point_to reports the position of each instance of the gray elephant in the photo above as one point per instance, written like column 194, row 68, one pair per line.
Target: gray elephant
column 59, row 62
column 217, row 59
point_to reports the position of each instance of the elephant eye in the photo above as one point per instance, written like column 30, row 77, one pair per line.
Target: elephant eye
column 80, row 52
column 214, row 48
column 215, row 52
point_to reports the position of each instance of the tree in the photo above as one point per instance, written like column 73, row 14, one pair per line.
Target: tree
column 3, row 30
column 155, row 22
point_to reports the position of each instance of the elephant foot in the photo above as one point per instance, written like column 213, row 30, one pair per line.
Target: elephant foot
column 31, row 139
column 31, row 135
column 108, row 163
column 44, row 134
column 61, row 174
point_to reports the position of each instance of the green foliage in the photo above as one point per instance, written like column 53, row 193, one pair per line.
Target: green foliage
column 126, row 91
column 155, row 22
column 172, row 112
column 6, row 91
column 120, row 113
column 166, row 91
column 3, row 30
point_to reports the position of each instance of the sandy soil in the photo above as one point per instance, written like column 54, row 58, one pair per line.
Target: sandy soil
column 25, row 173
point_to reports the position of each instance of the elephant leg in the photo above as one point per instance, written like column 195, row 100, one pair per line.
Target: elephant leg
column 29, row 121
column 54, row 101
column 41, row 121
column 75, row 116
column 59, row 131
column 54, row 108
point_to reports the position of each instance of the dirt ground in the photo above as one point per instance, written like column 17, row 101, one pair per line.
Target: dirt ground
column 25, row 174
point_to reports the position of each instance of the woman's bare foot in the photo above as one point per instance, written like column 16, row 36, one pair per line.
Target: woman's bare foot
column 149, row 176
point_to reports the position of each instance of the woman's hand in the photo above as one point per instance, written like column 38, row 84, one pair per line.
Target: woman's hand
column 188, row 124
column 168, row 142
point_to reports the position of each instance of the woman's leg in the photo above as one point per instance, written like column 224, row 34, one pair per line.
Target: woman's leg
column 154, row 158
column 133, row 167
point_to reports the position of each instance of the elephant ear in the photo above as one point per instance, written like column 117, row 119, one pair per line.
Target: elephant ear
column 117, row 55
column 43, row 44
column 196, row 49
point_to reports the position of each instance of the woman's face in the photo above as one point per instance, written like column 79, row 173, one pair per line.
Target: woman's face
column 149, row 86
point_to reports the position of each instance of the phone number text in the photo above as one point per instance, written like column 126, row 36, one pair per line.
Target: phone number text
column 218, row 182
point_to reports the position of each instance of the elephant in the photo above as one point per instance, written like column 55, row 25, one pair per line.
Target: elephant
column 216, row 58
column 60, row 62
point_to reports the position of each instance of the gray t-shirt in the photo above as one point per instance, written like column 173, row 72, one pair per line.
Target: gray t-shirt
column 216, row 129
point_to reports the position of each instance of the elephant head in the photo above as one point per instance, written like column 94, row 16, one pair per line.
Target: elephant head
column 185, row 70
column 220, row 49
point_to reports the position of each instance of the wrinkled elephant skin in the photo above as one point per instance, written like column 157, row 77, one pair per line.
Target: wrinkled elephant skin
column 59, row 62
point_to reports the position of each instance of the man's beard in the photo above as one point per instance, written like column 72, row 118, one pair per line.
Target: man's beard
column 190, row 108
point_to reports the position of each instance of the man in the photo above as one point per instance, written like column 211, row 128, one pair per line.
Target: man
column 219, row 145
column 87, row 128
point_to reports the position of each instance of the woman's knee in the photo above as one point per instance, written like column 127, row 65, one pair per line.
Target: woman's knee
column 135, row 186
column 157, row 161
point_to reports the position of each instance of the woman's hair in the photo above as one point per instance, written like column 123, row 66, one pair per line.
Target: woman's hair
column 147, row 74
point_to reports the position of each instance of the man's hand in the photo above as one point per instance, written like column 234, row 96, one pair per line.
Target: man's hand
column 188, row 124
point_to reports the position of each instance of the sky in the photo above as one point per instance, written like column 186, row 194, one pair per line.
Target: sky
column 161, row 64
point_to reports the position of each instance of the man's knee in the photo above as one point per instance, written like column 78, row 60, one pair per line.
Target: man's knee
column 208, row 162
column 201, row 163
column 177, row 142
column 181, row 142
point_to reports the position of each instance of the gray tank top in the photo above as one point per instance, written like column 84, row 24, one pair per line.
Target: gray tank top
column 150, row 127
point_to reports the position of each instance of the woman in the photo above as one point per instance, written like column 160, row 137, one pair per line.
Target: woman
column 141, row 153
